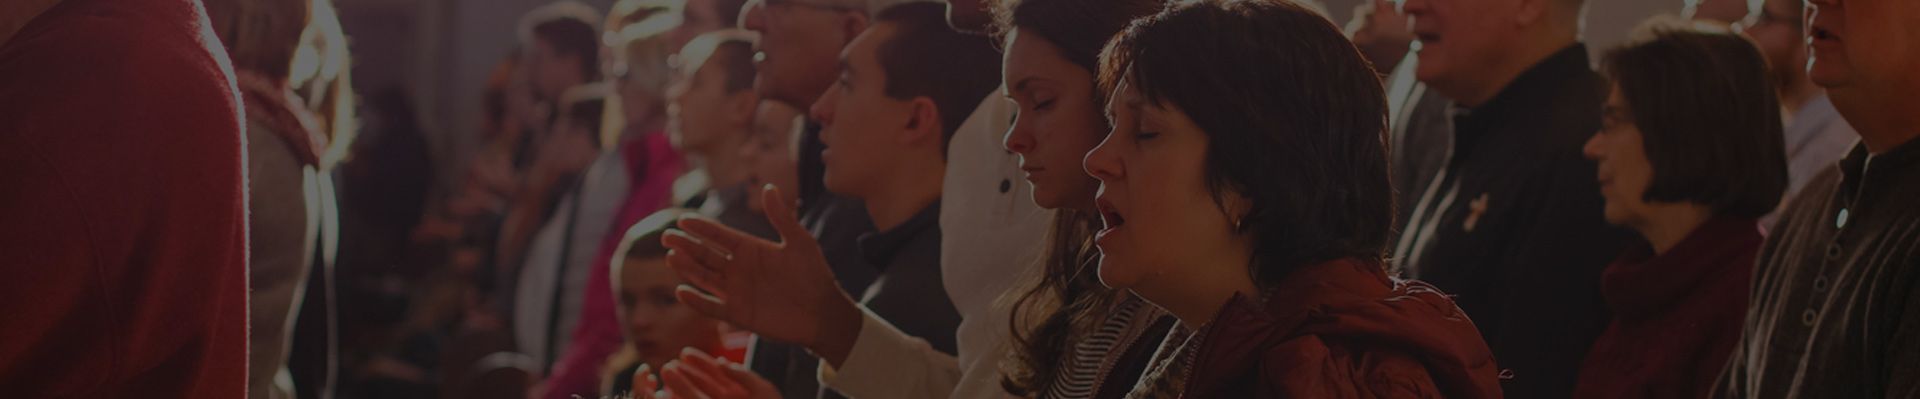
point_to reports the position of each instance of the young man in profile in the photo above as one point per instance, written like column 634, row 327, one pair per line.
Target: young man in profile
column 904, row 89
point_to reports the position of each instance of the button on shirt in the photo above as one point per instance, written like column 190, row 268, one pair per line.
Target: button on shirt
column 1836, row 294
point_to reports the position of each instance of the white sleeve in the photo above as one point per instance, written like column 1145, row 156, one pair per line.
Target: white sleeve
column 888, row 363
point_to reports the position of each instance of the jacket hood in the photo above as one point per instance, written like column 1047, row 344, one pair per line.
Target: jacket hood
column 272, row 103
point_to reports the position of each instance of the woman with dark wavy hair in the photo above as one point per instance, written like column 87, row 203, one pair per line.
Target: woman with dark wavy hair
column 1070, row 334
column 1244, row 190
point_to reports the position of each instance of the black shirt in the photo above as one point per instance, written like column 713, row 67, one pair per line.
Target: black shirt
column 1836, row 297
column 909, row 293
column 837, row 223
column 1513, row 226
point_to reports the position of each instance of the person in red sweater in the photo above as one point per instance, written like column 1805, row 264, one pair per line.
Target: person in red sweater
column 123, row 218
column 1690, row 156
column 1260, row 218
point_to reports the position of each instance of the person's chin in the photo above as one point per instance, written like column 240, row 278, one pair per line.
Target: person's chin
column 1614, row 216
column 1115, row 274
column 1046, row 199
column 839, row 185
column 1429, row 67
column 1828, row 74
column 1829, row 65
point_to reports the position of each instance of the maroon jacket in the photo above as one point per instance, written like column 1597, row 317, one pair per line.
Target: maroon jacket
column 1676, row 316
column 1343, row 329
column 123, row 224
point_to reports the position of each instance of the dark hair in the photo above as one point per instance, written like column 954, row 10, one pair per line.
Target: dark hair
column 926, row 58
column 1295, row 119
column 1065, row 299
column 735, row 56
column 642, row 239
column 1707, row 117
column 585, row 107
column 729, row 12
column 569, row 28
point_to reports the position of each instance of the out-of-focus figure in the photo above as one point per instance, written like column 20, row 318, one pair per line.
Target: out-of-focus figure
column 769, row 154
column 1816, row 135
column 1381, row 32
column 629, row 180
column 712, row 105
column 294, row 221
column 1689, row 156
column 125, row 227
column 657, row 327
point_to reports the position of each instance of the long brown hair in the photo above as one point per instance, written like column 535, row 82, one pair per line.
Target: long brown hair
column 1065, row 299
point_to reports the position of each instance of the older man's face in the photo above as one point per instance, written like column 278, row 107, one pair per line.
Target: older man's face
column 1865, row 45
column 1457, row 36
column 800, row 41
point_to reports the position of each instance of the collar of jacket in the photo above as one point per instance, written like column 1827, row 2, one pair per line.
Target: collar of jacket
column 1352, row 299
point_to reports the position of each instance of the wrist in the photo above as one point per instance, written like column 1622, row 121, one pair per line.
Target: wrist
column 839, row 330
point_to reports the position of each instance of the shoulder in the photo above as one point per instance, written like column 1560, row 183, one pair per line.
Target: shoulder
column 151, row 61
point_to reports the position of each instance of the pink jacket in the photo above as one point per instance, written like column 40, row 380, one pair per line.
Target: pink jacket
column 655, row 166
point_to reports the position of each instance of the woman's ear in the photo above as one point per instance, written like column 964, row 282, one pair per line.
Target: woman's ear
column 1238, row 209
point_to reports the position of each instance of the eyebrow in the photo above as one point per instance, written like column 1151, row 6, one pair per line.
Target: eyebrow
column 1022, row 84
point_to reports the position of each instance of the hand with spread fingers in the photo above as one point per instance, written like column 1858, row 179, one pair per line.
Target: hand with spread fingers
column 697, row 375
column 783, row 291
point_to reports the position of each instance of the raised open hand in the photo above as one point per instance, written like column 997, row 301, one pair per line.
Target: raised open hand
column 783, row 291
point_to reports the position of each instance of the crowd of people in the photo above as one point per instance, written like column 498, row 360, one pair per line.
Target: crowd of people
column 721, row 199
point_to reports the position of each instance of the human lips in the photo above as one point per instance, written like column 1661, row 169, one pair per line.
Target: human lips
column 1110, row 216
column 1031, row 171
column 1426, row 35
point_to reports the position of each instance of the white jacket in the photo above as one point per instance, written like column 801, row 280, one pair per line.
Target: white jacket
column 991, row 232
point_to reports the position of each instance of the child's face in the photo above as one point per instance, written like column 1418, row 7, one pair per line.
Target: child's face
column 699, row 118
column 770, row 153
column 657, row 324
